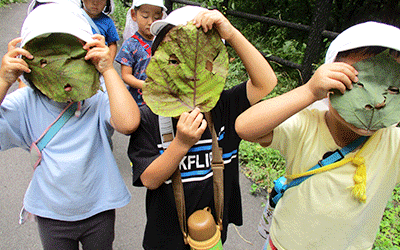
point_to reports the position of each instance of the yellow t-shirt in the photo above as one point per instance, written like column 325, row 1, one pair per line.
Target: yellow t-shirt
column 321, row 213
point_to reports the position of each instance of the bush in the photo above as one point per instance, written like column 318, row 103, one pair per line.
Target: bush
column 389, row 230
column 5, row 2
column 119, row 16
column 261, row 165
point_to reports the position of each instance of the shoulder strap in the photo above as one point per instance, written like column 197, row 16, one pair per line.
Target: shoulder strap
column 167, row 135
column 281, row 186
column 89, row 19
column 217, row 165
column 41, row 143
column 145, row 45
column 50, row 132
column 334, row 157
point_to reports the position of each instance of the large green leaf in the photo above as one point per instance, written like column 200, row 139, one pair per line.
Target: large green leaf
column 59, row 69
column 374, row 102
column 188, row 70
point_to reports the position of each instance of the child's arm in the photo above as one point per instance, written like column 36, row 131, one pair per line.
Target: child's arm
column 127, row 76
column 113, row 49
column 257, row 123
column 190, row 127
column 125, row 116
column 12, row 66
column 262, row 77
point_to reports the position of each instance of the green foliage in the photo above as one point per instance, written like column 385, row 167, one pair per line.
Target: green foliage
column 237, row 73
column 261, row 165
column 3, row 3
column 389, row 230
column 119, row 16
column 272, row 40
column 218, row 4
column 347, row 13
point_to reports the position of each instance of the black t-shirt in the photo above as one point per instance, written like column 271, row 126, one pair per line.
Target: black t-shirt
column 162, row 228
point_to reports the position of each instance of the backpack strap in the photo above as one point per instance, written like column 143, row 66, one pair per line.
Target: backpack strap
column 145, row 45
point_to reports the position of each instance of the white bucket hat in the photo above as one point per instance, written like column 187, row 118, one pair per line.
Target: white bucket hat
column 179, row 16
column 364, row 34
column 34, row 2
column 76, row 2
column 56, row 17
column 131, row 26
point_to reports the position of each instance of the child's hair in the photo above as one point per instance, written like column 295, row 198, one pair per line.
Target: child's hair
column 160, row 37
column 107, row 10
column 366, row 50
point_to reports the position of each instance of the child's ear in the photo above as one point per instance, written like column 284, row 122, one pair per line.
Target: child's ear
column 133, row 14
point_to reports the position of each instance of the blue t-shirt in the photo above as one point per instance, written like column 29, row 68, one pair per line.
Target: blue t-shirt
column 134, row 55
column 78, row 176
column 107, row 28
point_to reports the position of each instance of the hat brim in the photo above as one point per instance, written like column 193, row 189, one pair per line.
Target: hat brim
column 157, row 26
column 65, row 18
column 179, row 16
column 364, row 35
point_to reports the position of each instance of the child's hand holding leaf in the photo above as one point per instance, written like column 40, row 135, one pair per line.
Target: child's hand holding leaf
column 12, row 66
column 99, row 53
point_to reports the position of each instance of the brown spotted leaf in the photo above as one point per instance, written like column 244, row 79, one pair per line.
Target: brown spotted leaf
column 59, row 69
column 188, row 70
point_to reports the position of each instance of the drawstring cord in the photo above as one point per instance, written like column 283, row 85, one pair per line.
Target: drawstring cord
column 78, row 109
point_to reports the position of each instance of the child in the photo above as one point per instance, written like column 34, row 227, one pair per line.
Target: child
column 76, row 186
column 340, row 208
column 134, row 55
column 98, row 11
column 192, row 143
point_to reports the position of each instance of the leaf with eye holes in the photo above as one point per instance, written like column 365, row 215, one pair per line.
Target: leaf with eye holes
column 374, row 102
column 59, row 69
column 188, row 70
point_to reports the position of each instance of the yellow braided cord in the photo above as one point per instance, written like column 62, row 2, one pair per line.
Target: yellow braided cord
column 360, row 176
column 321, row 169
column 360, row 179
